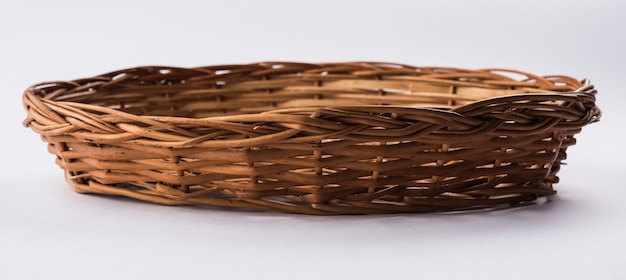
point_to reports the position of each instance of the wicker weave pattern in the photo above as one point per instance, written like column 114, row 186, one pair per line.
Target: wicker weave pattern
column 335, row 138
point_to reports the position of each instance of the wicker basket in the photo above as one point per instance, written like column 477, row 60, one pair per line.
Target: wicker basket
column 335, row 138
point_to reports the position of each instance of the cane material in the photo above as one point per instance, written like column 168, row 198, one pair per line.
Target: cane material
column 335, row 138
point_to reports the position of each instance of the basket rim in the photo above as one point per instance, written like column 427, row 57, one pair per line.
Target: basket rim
column 584, row 87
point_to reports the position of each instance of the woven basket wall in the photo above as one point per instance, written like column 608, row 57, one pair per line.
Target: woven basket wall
column 335, row 138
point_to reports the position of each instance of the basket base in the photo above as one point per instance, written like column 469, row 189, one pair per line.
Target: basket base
column 411, row 204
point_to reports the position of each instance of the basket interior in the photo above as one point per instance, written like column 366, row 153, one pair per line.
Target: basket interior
column 201, row 92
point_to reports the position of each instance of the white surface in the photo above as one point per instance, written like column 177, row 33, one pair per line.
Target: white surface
column 49, row 232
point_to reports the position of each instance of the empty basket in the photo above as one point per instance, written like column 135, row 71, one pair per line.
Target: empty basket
column 333, row 138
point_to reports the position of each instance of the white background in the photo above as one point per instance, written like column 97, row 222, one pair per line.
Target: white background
column 49, row 232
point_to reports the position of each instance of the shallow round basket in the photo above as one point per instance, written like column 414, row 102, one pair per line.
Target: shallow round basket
column 333, row 138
